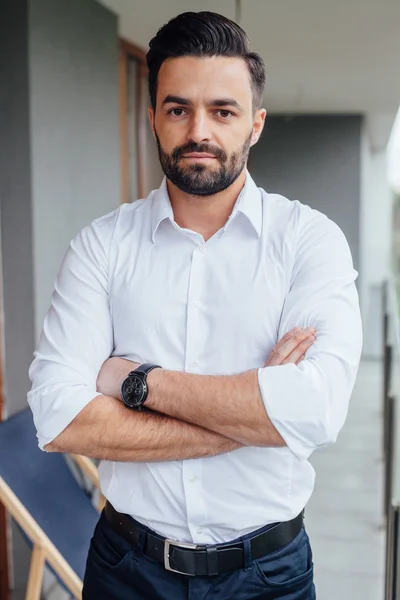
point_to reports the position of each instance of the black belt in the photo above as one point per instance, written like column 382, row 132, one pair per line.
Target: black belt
column 201, row 560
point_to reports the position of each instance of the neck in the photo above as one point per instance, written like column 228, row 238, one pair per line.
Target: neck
column 204, row 214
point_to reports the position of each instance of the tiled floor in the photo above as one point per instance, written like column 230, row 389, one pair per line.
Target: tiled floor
column 344, row 517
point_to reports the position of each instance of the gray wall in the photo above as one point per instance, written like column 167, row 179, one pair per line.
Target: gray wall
column 59, row 165
column 75, row 128
column 59, row 154
column 16, row 205
column 317, row 160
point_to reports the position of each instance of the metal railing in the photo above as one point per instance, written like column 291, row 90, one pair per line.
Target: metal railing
column 391, row 438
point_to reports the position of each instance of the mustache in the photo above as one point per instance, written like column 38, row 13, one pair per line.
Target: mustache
column 193, row 147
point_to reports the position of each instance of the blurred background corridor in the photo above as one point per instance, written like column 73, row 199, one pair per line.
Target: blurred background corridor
column 75, row 143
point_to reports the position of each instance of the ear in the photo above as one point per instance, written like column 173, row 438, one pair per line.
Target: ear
column 258, row 125
column 150, row 112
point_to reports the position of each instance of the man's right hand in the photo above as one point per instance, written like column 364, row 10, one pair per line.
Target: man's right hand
column 292, row 347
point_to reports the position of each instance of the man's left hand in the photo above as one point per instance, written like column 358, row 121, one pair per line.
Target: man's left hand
column 112, row 374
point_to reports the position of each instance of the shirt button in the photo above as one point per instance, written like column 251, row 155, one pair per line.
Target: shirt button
column 195, row 363
column 193, row 478
column 200, row 530
column 202, row 249
column 197, row 303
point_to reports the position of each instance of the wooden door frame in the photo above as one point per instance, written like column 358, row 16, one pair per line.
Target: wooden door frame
column 129, row 51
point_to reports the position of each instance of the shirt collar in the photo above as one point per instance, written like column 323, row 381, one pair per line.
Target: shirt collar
column 248, row 204
column 161, row 208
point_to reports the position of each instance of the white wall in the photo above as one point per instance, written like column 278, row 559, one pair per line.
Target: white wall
column 375, row 242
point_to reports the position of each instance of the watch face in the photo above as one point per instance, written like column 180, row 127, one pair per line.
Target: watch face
column 133, row 391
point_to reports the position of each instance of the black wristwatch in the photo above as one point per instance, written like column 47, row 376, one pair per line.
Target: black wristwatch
column 134, row 390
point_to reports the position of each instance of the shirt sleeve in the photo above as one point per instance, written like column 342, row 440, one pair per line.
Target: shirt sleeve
column 308, row 403
column 77, row 335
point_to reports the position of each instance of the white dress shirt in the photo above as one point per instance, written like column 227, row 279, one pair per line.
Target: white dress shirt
column 135, row 284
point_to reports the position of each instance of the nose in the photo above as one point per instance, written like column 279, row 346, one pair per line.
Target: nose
column 199, row 129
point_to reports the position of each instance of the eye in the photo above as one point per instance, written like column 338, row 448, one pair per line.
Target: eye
column 176, row 112
column 225, row 114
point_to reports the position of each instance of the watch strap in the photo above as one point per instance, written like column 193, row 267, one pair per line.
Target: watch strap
column 145, row 368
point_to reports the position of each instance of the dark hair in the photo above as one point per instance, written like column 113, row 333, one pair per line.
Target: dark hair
column 203, row 34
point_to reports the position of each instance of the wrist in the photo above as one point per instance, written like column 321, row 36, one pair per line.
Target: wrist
column 122, row 375
column 124, row 367
column 153, row 382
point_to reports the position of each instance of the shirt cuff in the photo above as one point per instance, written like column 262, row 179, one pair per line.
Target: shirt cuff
column 56, row 407
column 296, row 404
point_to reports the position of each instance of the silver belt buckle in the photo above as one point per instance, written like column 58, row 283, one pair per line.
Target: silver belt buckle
column 167, row 545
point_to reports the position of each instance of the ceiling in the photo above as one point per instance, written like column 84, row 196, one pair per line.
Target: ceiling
column 322, row 56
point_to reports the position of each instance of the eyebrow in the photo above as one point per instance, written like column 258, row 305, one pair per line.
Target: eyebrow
column 218, row 102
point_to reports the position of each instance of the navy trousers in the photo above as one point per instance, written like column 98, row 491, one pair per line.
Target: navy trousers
column 117, row 571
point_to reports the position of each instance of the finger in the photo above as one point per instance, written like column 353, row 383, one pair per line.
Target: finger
column 288, row 336
column 300, row 359
column 281, row 343
column 298, row 338
column 299, row 351
column 280, row 353
column 279, row 358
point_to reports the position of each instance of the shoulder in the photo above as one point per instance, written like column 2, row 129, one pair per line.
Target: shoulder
column 308, row 236
column 102, row 230
column 126, row 212
column 297, row 219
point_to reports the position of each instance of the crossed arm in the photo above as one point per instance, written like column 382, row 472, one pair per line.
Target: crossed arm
column 106, row 429
column 301, row 405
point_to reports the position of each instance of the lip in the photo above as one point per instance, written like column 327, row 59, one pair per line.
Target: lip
column 201, row 155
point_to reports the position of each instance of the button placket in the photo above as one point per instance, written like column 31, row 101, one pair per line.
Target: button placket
column 192, row 469
column 194, row 345
column 196, row 508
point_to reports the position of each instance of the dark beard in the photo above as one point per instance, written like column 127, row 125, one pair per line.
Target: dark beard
column 196, row 179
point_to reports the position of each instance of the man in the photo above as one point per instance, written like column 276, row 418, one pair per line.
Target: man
column 206, row 295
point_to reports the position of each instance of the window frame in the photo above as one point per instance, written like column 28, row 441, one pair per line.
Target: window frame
column 129, row 51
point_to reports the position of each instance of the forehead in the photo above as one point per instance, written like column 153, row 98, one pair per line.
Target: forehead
column 203, row 78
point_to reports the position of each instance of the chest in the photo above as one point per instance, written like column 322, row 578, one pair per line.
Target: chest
column 220, row 303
